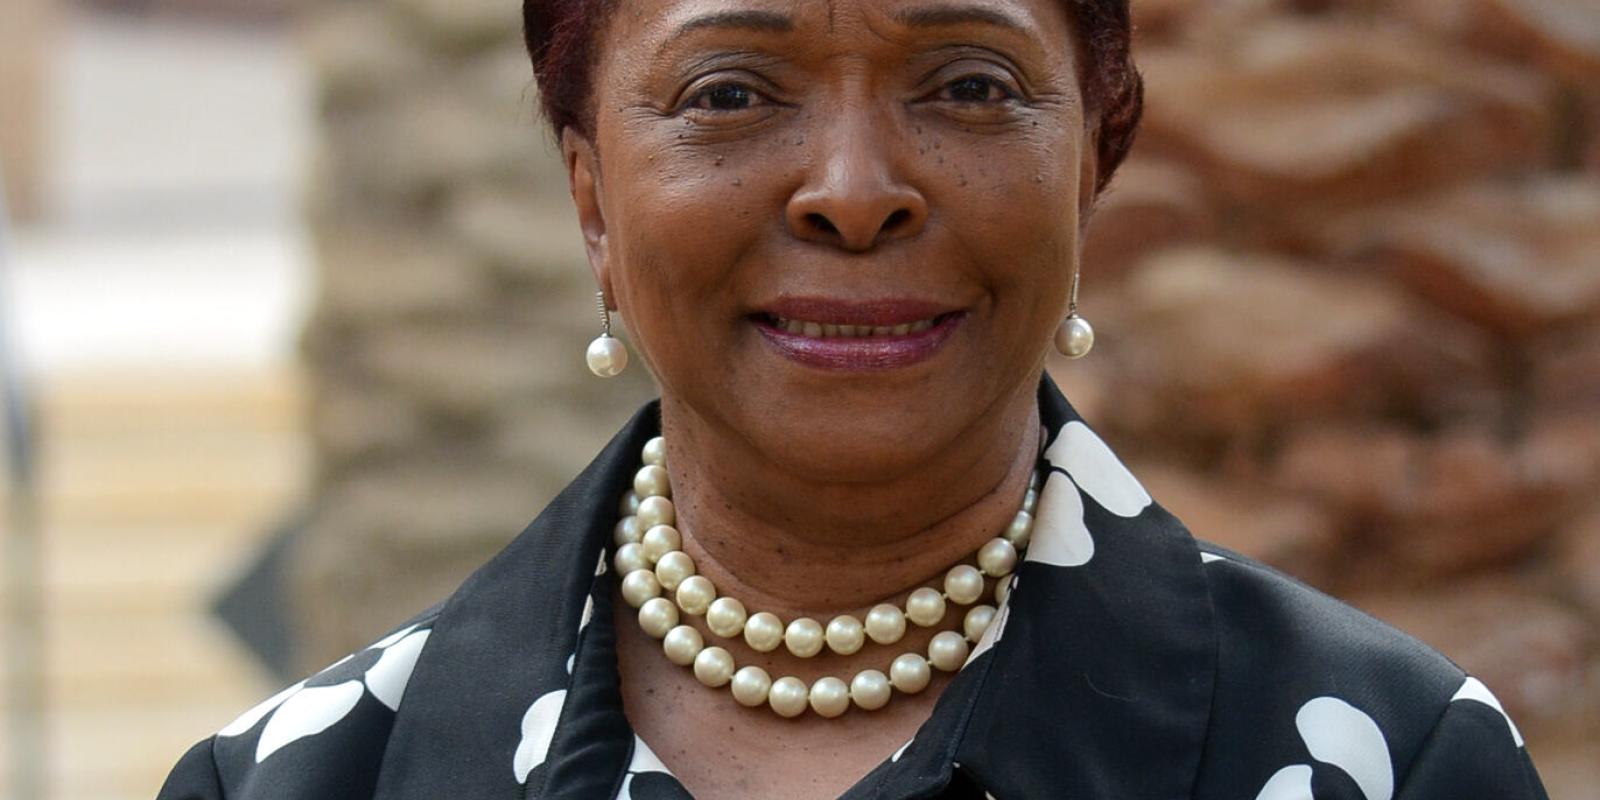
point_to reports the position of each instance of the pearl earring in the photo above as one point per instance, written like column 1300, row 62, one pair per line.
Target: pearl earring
column 607, row 355
column 1075, row 336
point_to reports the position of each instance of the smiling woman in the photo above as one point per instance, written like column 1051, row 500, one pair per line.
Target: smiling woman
column 861, row 546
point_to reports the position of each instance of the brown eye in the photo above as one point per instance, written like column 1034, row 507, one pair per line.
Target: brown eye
column 975, row 89
column 725, row 96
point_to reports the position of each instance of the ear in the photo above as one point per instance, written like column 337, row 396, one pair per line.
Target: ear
column 588, row 195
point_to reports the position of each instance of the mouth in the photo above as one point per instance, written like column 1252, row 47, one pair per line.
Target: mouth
column 855, row 337
column 812, row 329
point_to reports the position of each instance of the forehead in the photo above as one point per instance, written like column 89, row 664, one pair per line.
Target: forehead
column 648, row 28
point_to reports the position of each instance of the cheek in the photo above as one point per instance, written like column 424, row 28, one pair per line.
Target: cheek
column 1013, row 203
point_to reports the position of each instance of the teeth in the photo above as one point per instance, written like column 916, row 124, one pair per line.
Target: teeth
column 819, row 330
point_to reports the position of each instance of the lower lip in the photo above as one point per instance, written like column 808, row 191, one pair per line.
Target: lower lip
column 862, row 354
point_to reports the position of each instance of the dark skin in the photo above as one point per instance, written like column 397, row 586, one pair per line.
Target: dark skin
column 852, row 150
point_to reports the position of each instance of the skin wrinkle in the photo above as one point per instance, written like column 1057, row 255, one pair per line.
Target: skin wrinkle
column 800, row 491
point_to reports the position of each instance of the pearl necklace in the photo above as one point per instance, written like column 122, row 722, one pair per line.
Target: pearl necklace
column 650, row 558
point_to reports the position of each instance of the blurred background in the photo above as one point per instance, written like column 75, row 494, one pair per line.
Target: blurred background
column 293, row 308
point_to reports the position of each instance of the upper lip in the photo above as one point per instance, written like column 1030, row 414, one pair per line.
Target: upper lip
column 836, row 311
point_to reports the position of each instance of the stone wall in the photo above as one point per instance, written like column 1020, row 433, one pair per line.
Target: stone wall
column 450, row 396
column 1348, row 296
column 1347, row 289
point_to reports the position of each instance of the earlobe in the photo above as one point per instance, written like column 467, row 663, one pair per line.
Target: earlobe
column 583, row 178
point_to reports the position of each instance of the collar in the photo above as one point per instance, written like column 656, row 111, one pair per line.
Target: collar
column 1105, row 644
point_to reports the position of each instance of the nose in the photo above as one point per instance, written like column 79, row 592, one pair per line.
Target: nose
column 852, row 198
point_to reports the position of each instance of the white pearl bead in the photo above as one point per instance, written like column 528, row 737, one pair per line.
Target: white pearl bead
column 651, row 481
column 947, row 650
column 695, row 594
column 750, row 686
column 630, row 503
column 659, row 541
column 713, row 667
column 977, row 621
column 1002, row 589
column 726, row 617
column 830, row 697
column 658, row 616
column 997, row 558
column 607, row 356
column 682, row 644
column 886, row 624
column 845, row 634
column 628, row 558
column 673, row 568
column 1075, row 337
column 1037, row 479
column 763, row 632
column 925, row 607
column 788, row 697
column 655, row 511
column 803, row 637
column 869, row 689
column 655, row 452
column 909, row 673
column 963, row 584
column 626, row 531
column 640, row 585
column 1030, row 501
column 1020, row 531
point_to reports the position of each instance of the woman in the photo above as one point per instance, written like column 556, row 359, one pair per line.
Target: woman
column 861, row 547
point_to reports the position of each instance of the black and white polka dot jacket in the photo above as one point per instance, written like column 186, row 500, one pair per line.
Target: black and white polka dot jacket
column 1129, row 662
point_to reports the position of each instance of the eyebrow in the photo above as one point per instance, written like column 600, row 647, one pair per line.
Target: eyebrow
column 750, row 20
column 942, row 15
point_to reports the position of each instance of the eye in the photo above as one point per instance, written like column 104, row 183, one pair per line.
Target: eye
column 724, row 96
column 975, row 89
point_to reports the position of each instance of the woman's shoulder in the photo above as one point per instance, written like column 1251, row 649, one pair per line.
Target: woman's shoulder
column 323, row 736
column 1335, row 696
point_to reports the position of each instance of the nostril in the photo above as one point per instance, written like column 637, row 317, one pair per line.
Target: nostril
column 821, row 223
column 899, row 216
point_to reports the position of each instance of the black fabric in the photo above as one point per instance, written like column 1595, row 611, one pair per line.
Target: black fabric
column 1129, row 661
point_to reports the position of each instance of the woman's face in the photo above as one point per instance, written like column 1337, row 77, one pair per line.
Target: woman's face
column 839, row 230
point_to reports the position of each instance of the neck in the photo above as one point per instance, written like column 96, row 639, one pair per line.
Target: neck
column 799, row 546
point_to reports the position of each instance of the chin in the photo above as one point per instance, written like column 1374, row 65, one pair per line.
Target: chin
column 858, row 434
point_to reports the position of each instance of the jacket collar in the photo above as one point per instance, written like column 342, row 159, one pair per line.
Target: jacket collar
column 1104, row 645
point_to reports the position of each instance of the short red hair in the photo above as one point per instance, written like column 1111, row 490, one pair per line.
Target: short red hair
column 561, row 39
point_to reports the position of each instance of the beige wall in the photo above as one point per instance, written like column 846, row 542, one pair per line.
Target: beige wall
column 27, row 30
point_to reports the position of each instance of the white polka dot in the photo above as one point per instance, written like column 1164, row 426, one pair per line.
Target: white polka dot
column 307, row 713
column 1096, row 470
column 1474, row 690
column 248, row 719
column 588, row 613
column 1338, row 733
column 1059, row 536
column 538, row 728
column 644, row 759
column 387, row 679
column 902, row 750
column 1289, row 783
column 390, row 639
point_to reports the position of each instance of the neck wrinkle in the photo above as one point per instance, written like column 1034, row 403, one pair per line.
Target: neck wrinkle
column 774, row 566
